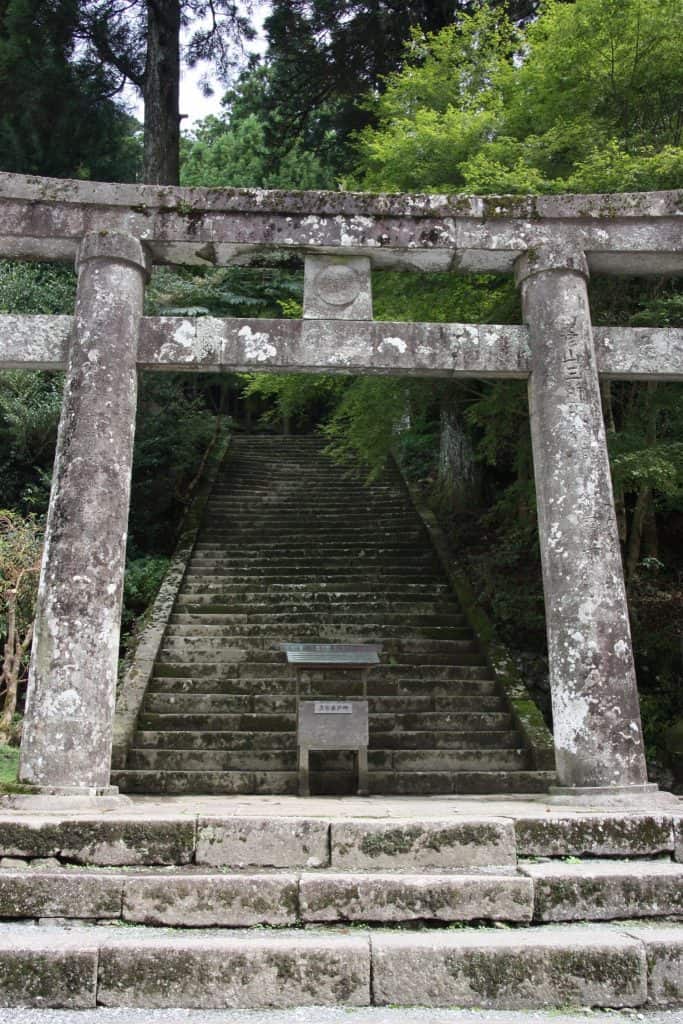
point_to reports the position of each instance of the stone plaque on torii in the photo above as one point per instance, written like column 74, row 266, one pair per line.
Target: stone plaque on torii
column 550, row 244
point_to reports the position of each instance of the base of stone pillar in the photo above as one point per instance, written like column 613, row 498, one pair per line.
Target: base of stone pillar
column 646, row 787
column 642, row 798
column 57, row 800
column 74, row 790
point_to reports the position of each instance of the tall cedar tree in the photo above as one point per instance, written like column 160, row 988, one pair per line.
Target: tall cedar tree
column 56, row 113
column 139, row 40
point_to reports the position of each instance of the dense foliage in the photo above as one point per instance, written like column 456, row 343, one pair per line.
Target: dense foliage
column 57, row 115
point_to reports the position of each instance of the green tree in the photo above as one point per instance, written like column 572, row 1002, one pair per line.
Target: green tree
column 591, row 102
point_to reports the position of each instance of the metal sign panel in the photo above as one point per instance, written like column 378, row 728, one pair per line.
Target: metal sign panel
column 333, row 707
column 332, row 654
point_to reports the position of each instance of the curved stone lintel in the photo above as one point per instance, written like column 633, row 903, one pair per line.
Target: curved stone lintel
column 44, row 218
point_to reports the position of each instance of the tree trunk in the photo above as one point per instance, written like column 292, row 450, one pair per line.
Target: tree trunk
column 610, row 427
column 645, row 501
column 15, row 649
column 458, row 477
column 161, row 93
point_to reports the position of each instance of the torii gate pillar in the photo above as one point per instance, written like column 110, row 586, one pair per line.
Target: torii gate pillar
column 67, row 735
column 597, row 729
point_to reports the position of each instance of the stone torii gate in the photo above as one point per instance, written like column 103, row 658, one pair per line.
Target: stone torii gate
column 115, row 232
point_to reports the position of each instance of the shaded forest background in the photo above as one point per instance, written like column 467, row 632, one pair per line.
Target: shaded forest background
column 448, row 96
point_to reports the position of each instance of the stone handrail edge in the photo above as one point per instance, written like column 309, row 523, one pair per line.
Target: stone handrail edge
column 136, row 678
column 526, row 714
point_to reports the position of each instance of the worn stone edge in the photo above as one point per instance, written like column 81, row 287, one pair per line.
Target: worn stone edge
column 186, row 200
column 525, row 712
column 136, row 678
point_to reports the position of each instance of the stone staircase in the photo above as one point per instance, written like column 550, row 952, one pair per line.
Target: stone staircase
column 294, row 549
column 278, row 909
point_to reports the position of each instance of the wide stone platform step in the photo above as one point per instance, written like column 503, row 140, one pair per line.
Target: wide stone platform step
column 259, row 905
column 535, row 967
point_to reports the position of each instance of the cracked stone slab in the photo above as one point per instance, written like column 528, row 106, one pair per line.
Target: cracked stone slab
column 146, row 968
column 381, row 897
column 192, row 901
column 602, row 891
column 105, row 841
column 594, row 835
column 48, row 967
column 510, row 970
column 60, row 894
column 664, row 952
column 263, row 842
column 484, row 843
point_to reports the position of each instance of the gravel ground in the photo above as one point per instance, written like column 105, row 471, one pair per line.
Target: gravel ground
column 328, row 1015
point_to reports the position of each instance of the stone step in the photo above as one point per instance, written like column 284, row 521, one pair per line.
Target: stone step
column 380, row 674
column 206, row 621
column 170, row 758
column 195, row 898
column 270, row 631
column 454, row 691
column 234, row 741
column 322, row 537
column 227, row 783
column 318, row 591
column 606, row 890
column 417, row 740
column 197, row 701
column 459, row 783
column 214, row 740
column 490, row 721
column 260, row 644
column 332, row 783
column 267, row 574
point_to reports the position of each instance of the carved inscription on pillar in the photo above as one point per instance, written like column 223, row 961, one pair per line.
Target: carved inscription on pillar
column 598, row 737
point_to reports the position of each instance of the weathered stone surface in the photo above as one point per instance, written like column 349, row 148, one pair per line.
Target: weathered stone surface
column 263, row 842
column 128, row 841
column 678, row 839
column 453, row 843
column 29, row 837
column 596, row 715
column 47, row 967
column 204, row 901
column 209, row 344
column 387, row 898
column 67, row 734
column 606, row 890
column 46, row 218
column 337, row 288
column 631, row 353
column 335, row 346
column 60, row 894
column 247, row 970
column 664, row 952
column 507, row 970
column 34, row 342
column 594, row 835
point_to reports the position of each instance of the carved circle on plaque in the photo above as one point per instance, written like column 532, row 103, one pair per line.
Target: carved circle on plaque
column 337, row 284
